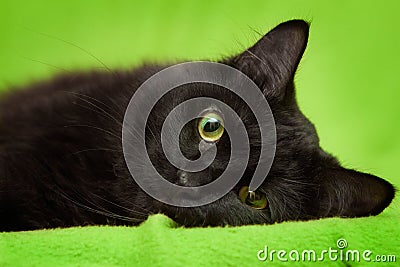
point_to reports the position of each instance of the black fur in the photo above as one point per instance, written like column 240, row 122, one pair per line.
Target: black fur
column 62, row 164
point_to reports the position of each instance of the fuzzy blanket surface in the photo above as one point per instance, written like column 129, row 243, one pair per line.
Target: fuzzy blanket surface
column 158, row 242
column 347, row 85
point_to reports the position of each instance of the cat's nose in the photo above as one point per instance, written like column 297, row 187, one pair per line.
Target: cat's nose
column 182, row 177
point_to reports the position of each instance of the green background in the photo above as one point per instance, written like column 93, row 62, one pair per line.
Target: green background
column 347, row 83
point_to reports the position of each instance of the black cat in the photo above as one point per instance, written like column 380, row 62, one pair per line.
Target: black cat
column 62, row 162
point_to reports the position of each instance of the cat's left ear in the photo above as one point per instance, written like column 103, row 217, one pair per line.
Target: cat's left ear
column 349, row 193
column 272, row 62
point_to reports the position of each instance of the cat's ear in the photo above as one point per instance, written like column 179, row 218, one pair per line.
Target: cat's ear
column 271, row 63
column 349, row 193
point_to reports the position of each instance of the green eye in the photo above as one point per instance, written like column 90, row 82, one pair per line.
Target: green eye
column 211, row 127
column 256, row 200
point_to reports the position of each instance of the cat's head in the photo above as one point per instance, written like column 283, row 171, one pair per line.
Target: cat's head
column 304, row 182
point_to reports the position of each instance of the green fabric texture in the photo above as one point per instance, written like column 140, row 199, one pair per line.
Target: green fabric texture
column 157, row 242
column 347, row 84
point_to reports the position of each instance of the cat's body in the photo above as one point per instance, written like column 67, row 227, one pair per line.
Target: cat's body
column 62, row 162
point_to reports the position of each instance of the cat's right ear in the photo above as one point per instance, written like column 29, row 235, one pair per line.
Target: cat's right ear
column 272, row 62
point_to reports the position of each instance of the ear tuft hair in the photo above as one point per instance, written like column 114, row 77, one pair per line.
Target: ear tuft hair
column 273, row 60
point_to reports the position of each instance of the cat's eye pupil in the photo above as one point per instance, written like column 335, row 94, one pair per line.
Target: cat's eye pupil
column 256, row 200
column 211, row 125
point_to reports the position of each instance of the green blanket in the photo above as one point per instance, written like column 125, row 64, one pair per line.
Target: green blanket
column 157, row 242
column 347, row 85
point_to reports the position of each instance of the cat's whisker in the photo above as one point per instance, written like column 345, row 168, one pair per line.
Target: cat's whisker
column 93, row 98
column 100, row 129
column 257, row 57
column 158, row 142
column 145, row 213
column 112, row 117
column 256, row 31
column 148, row 212
column 98, row 149
column 102, row 208
column 297, row 182
column 94, row 127
column 104, row 112
column 47, row 64
column 91, row 109
column 76, row 46
column 292, row 202
column 104, row 212
column 129, row 202
column 92, row 149
column 101, row 109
